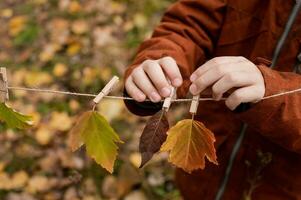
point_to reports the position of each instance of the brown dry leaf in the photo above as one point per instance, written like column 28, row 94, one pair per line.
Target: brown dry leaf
column 4, row 179
column 128, row 177
column 37, row 184
column 71, row 194
column 74, row 7
column 48, row 52
column 79, row 27
column 110, row 187
column 16, row 181
column 59, row 31
column 43, row 135
column 153, row 136
column 188, row 143
column 18, row 76
column 6, row 13
column 74, row 105
column 136, row 195
column 19, row 180
column 60, row 121
column 102, row 36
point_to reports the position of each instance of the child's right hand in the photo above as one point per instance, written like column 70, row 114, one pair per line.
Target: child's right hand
column 150, row 79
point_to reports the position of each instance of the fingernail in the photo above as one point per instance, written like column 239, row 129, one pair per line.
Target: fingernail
column 193, row 77
column 155, row 97
column 177, row 82
column 165, row 91
column 193, row 88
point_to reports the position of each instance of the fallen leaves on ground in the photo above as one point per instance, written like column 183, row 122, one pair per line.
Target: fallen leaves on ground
column 39, row 45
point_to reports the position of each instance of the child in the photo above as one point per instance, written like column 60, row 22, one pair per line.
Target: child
column 226, row 46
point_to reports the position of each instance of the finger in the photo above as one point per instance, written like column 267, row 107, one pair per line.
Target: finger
column 216, row 62
column 133, row 90
column 242, row 95
column 156, row 75
column 144, row 84
column 208, row 78
column 229, row 81
column 172, row 70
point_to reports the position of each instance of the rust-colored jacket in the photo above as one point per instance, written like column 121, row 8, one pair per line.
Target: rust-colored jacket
column 194, row 31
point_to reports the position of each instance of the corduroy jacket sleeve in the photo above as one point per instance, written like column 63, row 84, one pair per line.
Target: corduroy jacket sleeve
column 188, row 33
column 279, row 118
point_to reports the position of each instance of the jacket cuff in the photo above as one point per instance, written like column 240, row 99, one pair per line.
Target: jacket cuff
column 142, row 108
column 263, row 110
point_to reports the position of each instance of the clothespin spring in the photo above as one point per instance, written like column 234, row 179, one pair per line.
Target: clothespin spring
column 105, row 91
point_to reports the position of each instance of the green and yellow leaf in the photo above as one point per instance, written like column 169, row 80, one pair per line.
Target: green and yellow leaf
column 14, row 119
column 100, row 139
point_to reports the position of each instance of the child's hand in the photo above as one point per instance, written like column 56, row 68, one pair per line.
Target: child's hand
column 225, row 73
column 150, row 79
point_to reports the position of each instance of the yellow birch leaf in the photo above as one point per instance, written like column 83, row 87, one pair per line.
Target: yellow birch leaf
column 188, row 143
column 100, row 139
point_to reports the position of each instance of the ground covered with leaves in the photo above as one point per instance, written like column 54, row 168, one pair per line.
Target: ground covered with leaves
column 75, row 46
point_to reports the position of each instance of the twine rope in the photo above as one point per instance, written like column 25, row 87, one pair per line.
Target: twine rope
column 49, row 91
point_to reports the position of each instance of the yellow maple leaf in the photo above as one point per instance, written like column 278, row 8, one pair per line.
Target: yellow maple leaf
column 188, row 143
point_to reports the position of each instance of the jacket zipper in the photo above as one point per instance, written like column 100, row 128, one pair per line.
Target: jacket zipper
column 244, row 128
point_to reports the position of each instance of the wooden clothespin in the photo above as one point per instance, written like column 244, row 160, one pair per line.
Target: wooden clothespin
column 106, row 90
column 168, row 100
column 194, row 104
column 3, row 85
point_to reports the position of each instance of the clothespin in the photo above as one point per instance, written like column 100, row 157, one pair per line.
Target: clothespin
column 168, row 100
column 106, row 90
column 3, row 85
column 194, row 104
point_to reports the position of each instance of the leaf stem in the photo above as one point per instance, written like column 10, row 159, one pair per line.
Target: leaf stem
column 192, row 116
column 94, row 107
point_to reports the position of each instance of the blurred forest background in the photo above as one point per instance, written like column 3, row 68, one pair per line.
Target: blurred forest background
column 75, row 46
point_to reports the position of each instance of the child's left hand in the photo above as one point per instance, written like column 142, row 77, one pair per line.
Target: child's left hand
column 225, row 73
